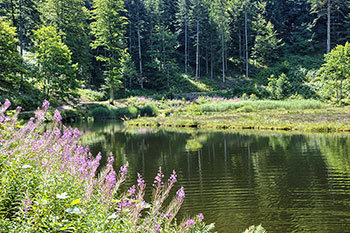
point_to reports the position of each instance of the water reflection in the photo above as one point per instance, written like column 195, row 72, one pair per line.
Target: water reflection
column 287, row 182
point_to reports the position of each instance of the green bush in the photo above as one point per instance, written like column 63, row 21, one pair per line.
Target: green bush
column 127, row 112
column 101, row 112
column 149, row 110
column 279, row 88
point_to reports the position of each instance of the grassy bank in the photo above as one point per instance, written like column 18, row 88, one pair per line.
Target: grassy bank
column 218, row 113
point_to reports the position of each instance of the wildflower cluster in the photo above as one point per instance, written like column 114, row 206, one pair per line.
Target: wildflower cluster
column 49, row 182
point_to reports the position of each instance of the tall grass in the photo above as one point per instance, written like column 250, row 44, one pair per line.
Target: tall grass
column 49, row 183
column 261, row 105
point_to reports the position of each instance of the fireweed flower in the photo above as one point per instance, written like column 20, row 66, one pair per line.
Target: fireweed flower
column 131, row 191
column 158, row 179
column 172, row 178
column 200, row 217
column 76, row 134
column 57, row 116
column 190, row 222
column 180, row 194
column 110, row 159
column 46, row 104
column 158, row 228
column 124, row 170
column 27, row 206
column 111, row 179
column 5, row 106
column 140, row 180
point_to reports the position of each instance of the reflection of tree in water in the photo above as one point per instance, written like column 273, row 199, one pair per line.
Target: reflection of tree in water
column 262, row 176
column 336, row 151
column 196, row 142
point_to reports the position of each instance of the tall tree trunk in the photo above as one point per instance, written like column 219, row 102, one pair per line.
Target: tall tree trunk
column 206, row 61
column 186, row 49
column 162, row 60
column 111, row 92
column 197, row 51
column 329, row 26
column 211, row 56
column 246, row 41
column 140, row 56
column 130, row 39
column 20, row 36
column 151, row 44
column 130, row 47
column 223, row 55
column 168, row 75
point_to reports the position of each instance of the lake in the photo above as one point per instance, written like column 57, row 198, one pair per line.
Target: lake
column 288, row 182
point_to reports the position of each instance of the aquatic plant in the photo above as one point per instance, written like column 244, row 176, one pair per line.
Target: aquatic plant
column 51, row 183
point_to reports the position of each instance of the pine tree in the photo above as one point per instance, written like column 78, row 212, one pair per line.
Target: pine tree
column 182, row 22
column 108, row 30
column 267, row 45
column 219, row 13
column 164, row 57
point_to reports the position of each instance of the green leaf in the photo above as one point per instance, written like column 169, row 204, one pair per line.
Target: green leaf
column 76, row 201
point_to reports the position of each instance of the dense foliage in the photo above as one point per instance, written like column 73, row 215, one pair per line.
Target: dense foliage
column 10, row 59
column 121, row 47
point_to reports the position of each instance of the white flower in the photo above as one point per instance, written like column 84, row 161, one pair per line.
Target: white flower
column 62, row 196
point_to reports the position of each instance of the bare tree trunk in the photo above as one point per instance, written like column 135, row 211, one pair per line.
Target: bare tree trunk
column 130, row 47
column 240, row 44
column 329, row 26
column 20, row 35
column 246, row 41
column 223, row 55
column 168, row 75
column 197, row 51
column 186, row 49
column 206, row 61
column 151, row 40
column 140, row 55
column 111, row 95
column 211, row 56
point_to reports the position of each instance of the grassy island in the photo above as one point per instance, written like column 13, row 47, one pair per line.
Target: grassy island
column 220, row 113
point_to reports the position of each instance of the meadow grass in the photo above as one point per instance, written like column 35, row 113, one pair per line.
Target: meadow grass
column 256, row 105
column 219, row 113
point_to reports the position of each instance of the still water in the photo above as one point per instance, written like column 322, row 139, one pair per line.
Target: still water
column 286, row 182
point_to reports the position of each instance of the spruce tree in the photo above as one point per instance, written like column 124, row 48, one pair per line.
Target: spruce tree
column 108, row 30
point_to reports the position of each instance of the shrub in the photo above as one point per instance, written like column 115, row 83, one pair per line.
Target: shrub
column 246, row 108
column 101, row 112
column 279, row 88
column 49, row 183
column 149, row 110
